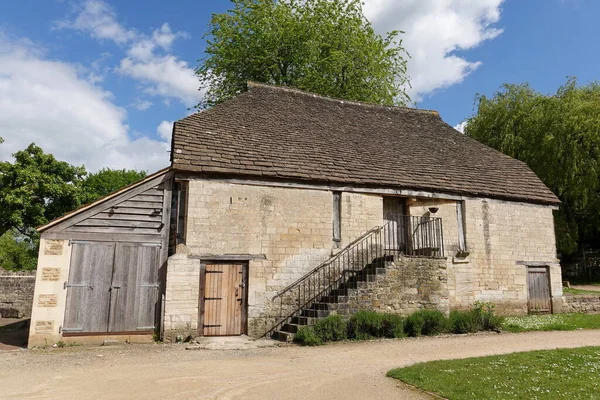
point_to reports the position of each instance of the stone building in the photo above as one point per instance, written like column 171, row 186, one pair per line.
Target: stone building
column 283, row 206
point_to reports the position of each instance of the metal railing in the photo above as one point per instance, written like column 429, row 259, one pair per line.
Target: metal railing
column 401, row 235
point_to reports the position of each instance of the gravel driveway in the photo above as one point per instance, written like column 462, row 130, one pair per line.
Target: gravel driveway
column 339, row 371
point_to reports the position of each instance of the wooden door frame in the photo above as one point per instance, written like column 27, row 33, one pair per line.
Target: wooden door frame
column 202, row 283
column 549, row 282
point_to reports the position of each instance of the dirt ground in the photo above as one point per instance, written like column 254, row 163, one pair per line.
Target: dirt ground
column 339, row 371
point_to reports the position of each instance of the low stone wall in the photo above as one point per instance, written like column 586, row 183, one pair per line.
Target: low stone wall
column 407, row 285
column 16, row 293
column 582, row 304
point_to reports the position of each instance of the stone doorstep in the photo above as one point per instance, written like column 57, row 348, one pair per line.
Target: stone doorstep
column 230, row 343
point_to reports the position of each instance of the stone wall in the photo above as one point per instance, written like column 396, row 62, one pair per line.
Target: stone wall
column 288, row 232
column 16, row 293
column 181, row 297
column 50, row 295
column 502, row 238
column 290, row 229
column 404, row 286
column 589, row 304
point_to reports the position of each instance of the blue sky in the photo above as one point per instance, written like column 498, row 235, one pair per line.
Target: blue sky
column 100, row 82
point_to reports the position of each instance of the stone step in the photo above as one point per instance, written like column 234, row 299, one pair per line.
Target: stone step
column 282, row 336
column 290, row 328
column 303, row 320
column 334, row 299
column 315, row 313
column 339, row 292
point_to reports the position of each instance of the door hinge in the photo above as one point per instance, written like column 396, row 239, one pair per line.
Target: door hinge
column 214, row 272
column 72, row 329
column 212, row 326
column 213, row 298
column 66, row 285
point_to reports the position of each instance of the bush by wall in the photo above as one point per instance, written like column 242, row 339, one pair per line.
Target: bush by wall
column 366, row 325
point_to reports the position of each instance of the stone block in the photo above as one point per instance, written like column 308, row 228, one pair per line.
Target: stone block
column 50, row 274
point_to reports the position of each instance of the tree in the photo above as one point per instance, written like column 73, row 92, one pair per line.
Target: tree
column 106, row 181
column 558, row 136
column 322, row 46
column 35, row 189
column 17, row 252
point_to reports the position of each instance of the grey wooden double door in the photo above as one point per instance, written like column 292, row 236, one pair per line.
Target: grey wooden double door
column 112, row 287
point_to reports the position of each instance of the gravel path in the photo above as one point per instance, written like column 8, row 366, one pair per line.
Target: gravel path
column 339, row 371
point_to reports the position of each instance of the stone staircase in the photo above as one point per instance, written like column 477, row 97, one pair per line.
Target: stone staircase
column 345, row 300
column 347, row 282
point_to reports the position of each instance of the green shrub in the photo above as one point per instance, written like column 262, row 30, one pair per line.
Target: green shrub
column 306, row 336
column 331, row 329
column 435, row 322
column 426, row 322
column 463, row 322
column 392, row 326
column 365, row 325
column 414, row 324
column 488, row 320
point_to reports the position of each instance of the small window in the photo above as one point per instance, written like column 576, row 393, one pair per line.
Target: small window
column 462, row 237
column 337, row 219
column 178, row 215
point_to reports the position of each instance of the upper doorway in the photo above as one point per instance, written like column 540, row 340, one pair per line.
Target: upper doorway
column 395, row 222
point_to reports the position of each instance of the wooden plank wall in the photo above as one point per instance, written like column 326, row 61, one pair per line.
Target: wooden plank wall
column 141, row 214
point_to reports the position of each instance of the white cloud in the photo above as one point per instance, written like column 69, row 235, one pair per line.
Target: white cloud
column 148, row 60
column 164, row 76
column 434, row 30
column 461, row 127
column 142, row 105
column 100, row 20
column 164, row 130
column 54, row 105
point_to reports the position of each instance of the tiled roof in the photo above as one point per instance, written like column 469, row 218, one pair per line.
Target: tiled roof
column 281, row 133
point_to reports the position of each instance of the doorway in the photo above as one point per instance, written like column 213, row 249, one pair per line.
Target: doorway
column 223, row 294
column 538, row 290
column 112, row 287
column 396, row 224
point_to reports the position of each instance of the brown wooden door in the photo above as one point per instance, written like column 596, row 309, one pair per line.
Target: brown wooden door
column 224, row 299
column 538, row 287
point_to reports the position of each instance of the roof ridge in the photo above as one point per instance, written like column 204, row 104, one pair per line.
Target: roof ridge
column 252, row 84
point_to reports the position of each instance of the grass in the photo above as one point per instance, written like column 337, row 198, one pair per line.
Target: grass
column 574, row 291
column 554, row 322
column 548, row 374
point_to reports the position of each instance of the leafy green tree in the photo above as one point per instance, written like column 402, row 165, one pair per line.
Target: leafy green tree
column 323, row 46
column 106, row 181
column 558, row 136
column 17, row 252
column 35, row 189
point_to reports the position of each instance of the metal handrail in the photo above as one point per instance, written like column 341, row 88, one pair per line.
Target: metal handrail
column 325, row 263
column 406, row 235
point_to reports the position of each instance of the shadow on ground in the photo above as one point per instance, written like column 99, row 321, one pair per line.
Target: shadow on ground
column 13, row 333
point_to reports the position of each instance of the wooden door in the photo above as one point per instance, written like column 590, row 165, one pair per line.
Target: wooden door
column 538, row 287
column 395, row 224
column 224, row 299
column 134, row 288
column 88, row 287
